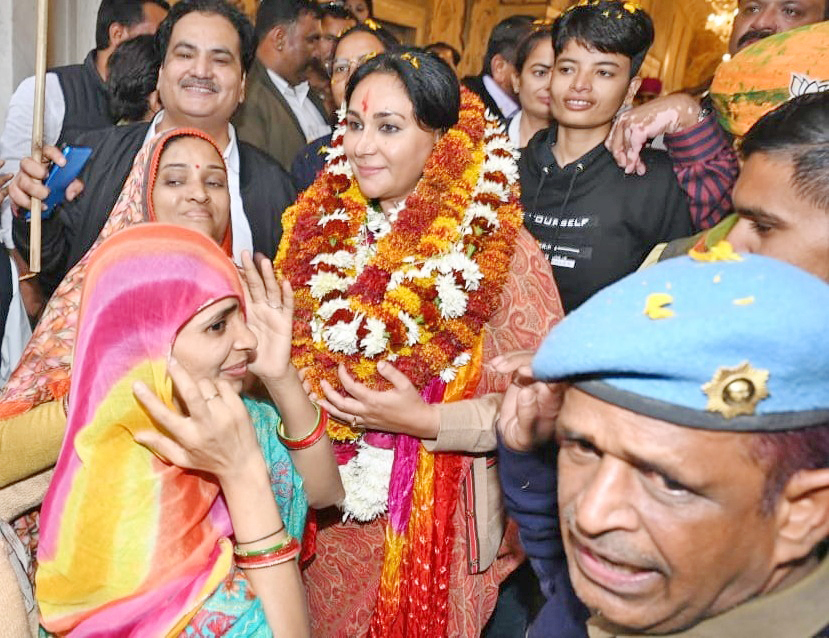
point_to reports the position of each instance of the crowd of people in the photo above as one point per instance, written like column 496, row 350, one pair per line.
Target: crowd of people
column 329, row 341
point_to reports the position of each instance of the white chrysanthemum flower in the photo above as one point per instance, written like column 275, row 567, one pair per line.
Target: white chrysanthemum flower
column 375, row 341
column 337, row 215
column 397, row 278
column 341, row 168
column 504, row 165
column 462, row 359
column 316, row 329
column 447, row 375
column 459, row 262
column 327, row 309
column 452, row 299
column 395, row 211
column 476, row 210
column 340, row 259
column 412, row 329
column 322, row 283
column 362, row 254
column 366, row 480
column 335, row 151
column 495, row 141
column 491, row 121
column 488, row 187
column 377, row 223
column 342, row 336
column 424, row 272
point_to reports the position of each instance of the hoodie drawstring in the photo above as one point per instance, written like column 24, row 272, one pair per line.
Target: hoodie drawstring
column 579, row 170
column 544, row 172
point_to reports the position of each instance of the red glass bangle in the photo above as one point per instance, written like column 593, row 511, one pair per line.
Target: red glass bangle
column 312, row 437
column 285, row 553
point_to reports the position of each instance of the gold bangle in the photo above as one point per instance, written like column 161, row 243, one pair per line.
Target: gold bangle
column 261, row 538
column 27, row 276
column 280, row 429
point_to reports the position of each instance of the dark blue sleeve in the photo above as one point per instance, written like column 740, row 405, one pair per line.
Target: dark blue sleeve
column 309, row 162
column 6, row 290
column 528, row 481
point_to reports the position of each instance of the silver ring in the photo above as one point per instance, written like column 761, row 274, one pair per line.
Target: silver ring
column 208, row 399
column 275, row 306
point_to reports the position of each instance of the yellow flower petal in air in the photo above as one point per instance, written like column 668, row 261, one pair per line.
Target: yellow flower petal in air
column 721, row 251
column 745, row 301
column 655, row 305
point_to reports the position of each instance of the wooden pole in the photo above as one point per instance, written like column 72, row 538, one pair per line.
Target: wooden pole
column 37, row 126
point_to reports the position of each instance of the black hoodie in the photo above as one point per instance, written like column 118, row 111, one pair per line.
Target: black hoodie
column 594, row 223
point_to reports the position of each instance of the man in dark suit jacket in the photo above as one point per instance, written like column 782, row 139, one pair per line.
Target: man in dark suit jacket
column 207, row 46
column 281, row 114
column 494, row 84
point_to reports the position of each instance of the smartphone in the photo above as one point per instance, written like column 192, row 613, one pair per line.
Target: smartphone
column 61, row 176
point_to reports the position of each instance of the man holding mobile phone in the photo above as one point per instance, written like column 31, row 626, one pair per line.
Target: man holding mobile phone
column 207, row 46
column 76, row 99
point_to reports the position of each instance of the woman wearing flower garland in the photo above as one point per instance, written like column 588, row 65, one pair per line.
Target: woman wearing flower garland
column 411, row 271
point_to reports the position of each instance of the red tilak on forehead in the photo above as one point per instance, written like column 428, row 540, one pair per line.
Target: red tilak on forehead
column 365, row 103
column 197, row 166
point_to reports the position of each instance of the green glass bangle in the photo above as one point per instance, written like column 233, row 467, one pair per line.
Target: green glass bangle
column 280, row 428
column 241, row 553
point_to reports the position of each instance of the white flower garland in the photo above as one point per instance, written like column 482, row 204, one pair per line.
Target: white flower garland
column 366, row 476
column 452, row 298
column 366, row 481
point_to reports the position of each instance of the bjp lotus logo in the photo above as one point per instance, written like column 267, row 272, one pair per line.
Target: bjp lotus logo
column 803, row 85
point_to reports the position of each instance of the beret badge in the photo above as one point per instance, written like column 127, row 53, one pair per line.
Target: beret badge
column 736, row 391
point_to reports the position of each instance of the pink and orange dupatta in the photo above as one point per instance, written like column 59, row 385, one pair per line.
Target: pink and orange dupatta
column 131, row 545
column 44, row 371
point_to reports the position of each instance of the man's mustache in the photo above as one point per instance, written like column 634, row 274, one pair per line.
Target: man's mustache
column 753, row 36
column 200, row 83
column 613, row 545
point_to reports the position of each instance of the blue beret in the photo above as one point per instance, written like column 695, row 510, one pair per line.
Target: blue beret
column 725, row 345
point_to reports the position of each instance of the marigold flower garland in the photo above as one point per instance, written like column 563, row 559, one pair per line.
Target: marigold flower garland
column 415, row 288
column 418, row 290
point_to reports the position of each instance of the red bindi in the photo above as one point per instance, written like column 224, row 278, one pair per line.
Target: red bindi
column 197, row 166
column 365, row 103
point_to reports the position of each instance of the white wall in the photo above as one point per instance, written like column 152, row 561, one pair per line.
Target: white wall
column 71, row 35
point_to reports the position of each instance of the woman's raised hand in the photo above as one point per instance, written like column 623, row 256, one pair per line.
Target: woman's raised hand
column 270, row 313
column 400, row 410
column 217, row 437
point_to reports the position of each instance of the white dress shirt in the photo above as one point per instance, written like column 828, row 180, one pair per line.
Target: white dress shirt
column 240, row 227
column 508, row 106
column 18, row 330
column 16, row 140
column 310, row 119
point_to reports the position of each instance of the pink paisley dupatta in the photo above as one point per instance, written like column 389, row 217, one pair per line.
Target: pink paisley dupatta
column 44, row 370
column 130, row 545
